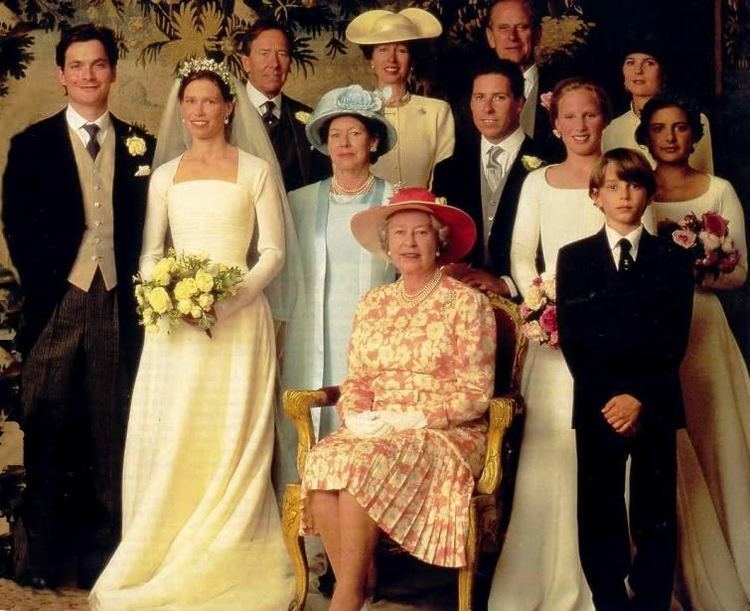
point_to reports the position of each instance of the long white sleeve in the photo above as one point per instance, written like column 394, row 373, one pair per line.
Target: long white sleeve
column 526, row 232
column 270, row 244
column 157, row 218
column 728, row 205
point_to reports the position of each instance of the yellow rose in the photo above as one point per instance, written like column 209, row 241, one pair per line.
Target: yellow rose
column 204, row 281
column 185, row 289
column 139, row 295
column 159, row 300
column 184, row 306
column 165, row 264
column 136, row 145
column 196, row 312
column 206, row 301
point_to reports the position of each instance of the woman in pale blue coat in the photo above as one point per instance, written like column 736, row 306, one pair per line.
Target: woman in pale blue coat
column 348, row 125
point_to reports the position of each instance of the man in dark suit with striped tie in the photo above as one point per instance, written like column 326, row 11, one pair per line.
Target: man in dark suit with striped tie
column 267, row 62
column 74, row 203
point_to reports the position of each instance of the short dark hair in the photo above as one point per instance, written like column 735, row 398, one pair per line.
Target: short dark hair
column 84, row 33
column 490, row 63
column 631, row 167
column 573, row 84
column 536, row 21
column 668, row 100
column 374, row 129
column 255, row 30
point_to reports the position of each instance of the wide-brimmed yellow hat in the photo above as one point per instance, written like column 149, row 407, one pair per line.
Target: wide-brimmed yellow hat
column 379, row 27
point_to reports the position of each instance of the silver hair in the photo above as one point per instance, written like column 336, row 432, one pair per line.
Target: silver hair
column 442, row 231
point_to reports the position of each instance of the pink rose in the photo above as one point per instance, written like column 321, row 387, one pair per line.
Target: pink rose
column 546, row 99
column 548, row 319
column 554, row 340
column 728, row 264
column 684, row 238
column 715, row 223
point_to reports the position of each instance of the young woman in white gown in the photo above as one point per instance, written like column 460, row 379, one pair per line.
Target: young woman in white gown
column 713, row 453
column 200, row 522
column 539, row 566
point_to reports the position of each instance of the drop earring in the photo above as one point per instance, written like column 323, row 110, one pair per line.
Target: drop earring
column 556, row 133
column 373, row 148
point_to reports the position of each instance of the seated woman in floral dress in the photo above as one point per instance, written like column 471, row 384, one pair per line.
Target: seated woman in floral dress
column 420, row 377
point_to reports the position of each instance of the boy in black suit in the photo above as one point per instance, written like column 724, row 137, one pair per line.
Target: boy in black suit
column 624, row 309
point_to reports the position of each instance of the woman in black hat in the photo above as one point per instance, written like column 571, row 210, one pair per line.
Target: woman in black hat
column 644, row 71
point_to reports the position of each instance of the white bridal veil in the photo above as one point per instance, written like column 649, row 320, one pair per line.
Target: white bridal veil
column 249, row 134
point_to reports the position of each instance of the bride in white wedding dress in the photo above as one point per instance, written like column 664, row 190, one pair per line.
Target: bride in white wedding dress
column 200, row 522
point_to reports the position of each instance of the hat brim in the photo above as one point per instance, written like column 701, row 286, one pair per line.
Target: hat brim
column 463, row 232
column 362, row 30
column 314, row 125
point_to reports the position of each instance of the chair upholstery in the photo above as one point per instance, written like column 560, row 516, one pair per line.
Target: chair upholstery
column 486, row 505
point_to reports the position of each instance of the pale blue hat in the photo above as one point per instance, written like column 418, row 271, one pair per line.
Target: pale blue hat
column 351, row 100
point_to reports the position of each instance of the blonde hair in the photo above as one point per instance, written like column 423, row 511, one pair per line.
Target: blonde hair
column 574, row 84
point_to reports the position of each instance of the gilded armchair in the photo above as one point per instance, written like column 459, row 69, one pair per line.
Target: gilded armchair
column 486, row 505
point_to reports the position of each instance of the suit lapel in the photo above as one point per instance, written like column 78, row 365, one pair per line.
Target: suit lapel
column 64, row 165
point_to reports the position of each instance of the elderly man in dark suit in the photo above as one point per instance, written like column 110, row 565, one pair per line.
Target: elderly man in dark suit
column 267, row 62
column 74, row 199
column 485, row 173
column 624, row 303
column 513, row 30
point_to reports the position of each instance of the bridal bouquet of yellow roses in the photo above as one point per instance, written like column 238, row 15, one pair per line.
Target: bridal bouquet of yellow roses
column 183, row 287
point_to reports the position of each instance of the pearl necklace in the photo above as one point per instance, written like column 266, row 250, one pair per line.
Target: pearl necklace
column 363, row 188
column 422, row 293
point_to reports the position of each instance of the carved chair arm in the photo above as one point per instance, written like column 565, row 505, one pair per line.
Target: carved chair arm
column 297, row 406
column 502, row 410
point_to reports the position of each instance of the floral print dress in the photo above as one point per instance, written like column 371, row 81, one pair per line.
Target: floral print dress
column 437, row 356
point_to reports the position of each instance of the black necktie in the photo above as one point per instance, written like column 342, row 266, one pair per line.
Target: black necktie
column 268, row 117
column 626, row 261
column 92, row 146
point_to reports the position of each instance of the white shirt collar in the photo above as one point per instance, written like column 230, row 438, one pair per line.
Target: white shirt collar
column 76, row 123
column 510, row 144
column 530, row 78
column 613, row 237
column 258, row 98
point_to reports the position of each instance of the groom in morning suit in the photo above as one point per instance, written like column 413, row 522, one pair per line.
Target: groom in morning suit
column 485, row 174
column 624, row 303
column 74, row 200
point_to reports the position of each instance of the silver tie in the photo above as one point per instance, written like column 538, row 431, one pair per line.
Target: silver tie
column 494, row 168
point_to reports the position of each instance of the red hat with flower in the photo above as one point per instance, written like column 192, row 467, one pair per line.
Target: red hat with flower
column 462, row 231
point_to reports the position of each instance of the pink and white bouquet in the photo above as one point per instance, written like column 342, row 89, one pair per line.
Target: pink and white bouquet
column 707, row 238
column 539, row 311
column 184, row 287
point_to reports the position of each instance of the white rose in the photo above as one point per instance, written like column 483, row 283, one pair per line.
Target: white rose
column 548, row 284
column 709, row 241
column 533, row 331
column 136, row 145
column 205, row 301
column 534, row 297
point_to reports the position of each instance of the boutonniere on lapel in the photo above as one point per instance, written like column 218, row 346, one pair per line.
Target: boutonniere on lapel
column 136, row 145
column 302, row 116
column 531, row 163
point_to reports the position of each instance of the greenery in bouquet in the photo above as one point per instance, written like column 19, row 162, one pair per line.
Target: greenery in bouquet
column 539, row 311
column 707, row 239
column 184, row 287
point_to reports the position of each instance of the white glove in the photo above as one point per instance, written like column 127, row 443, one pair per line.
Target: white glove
column 404, row 420
column 367, row 424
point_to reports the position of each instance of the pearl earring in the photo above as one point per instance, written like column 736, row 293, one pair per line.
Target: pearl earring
column 372, row 66
column 388, row 253
column 226, row 120
column 373, row 148
column 437, row 254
